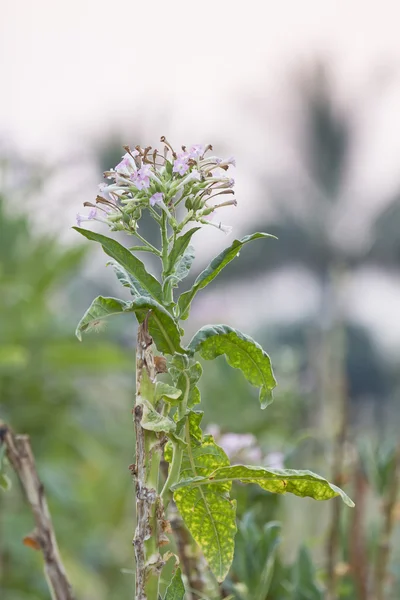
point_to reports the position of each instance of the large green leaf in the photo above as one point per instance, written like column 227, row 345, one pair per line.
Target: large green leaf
column 300, row 483
column 101, row 308
column 241, row 352
column 207, row 511
column 213, row 269
column 126, row 259
column 183, row 267
column 162, row 327
column 176, row 589
column 178, row 249
column 128, row 280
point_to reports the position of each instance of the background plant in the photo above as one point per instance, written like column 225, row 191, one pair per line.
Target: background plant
column 199, row 473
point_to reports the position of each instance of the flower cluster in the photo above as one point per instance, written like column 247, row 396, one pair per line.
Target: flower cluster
column 160, row 182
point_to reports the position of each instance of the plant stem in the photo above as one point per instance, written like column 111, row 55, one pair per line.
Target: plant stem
column 150, row 247
column 357, row 546
column 173, row 474
column 168, row 293
column 143, row 249
column 20, row 455
column 389, row 522
column 148, row 452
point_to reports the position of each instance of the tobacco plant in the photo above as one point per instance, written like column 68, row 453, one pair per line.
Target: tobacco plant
column 182, row 193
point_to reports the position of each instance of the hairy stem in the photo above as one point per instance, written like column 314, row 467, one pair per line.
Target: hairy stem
column 148, row 451
column 20, row 455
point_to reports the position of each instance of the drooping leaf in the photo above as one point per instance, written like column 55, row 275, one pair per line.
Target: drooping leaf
column 126, row 259
column 154, row 421
column 213, row 269
column 300, row 483
column 207, row 511
column 128, row 280
column 162, row 327
column 241, row 352
column 178, row 249
column 176, row 589
column 101, row 308
column 167, row 392
column 186, row 378
column 184, row 265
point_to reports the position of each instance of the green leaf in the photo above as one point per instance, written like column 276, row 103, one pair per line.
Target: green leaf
column 176, row 589
column 178, row 249
column 126, row 259
column 163, row 329
column 154, row 421
column 213, row 269
column 241, row 352
column 184, row 265
column 128, row 280
column 169, row 393
column 101, row 308
column 299, row 483
column 165, row 332
column 186, row 379
column 207, row 511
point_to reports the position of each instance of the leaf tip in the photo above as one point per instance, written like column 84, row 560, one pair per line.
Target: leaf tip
column 266, row 398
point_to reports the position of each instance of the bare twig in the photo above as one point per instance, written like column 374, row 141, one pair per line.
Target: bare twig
column 20, row 455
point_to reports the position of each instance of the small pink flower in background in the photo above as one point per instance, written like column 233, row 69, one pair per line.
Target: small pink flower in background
column 156, row 198
column 230, row 161
column 238, row 446
column 127, row 165
column 142, row 178
column 80, row 218
column 196, row 151
column 180, row 164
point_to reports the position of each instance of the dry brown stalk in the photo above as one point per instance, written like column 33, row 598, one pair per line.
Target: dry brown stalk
column 20, row 456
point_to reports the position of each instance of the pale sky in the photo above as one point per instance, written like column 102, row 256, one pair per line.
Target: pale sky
column 73, row 72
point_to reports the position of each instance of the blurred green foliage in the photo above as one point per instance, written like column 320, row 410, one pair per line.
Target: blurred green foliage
column 63, row 394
